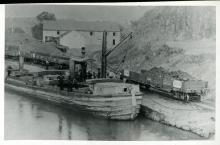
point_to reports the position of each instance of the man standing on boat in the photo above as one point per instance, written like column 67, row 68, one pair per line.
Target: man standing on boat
column 8, row 69
column 99, row 73
column 60, row 80
column 47, row 64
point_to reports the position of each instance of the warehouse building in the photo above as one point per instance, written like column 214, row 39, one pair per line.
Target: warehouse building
column 78, row 34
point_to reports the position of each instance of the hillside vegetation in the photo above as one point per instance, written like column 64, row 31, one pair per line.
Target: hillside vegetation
column 176, row 23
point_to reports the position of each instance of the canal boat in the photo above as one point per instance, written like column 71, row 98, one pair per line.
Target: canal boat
column 104, row 97
column 110, row 99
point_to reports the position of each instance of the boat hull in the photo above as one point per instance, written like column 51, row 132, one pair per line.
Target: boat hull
column 117, row 107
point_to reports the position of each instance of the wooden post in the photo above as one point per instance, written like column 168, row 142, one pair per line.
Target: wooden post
column 91, row 66
column 104, row 60
column 21, row 62
column 83, row 64
column 72, row 68
column 21, row 59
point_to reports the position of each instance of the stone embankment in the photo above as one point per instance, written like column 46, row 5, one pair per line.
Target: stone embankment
column 197, row 117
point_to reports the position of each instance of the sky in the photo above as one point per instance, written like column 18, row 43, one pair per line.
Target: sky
column 120, row 14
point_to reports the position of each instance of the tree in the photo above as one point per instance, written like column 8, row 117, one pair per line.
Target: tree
column 46, row 16
column 37, row 31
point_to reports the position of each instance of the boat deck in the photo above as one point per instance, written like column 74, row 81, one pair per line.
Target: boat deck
column 112, row 84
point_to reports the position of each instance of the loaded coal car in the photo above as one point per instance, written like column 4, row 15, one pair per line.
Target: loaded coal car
column 179, row 85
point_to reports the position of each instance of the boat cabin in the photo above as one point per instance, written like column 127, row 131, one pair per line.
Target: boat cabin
column 78, row 68
column 107, row 87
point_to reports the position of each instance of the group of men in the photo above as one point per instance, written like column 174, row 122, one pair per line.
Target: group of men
column 73, row 82
column 93, row 75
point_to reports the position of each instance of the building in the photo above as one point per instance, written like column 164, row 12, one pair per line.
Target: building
column 78, row 34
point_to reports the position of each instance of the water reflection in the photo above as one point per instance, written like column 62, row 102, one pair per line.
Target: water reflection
column 20, row 106
column 47, row 121
column 60, row 128
column 38, row 112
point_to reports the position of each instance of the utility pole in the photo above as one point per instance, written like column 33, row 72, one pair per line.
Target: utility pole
column 104, row 58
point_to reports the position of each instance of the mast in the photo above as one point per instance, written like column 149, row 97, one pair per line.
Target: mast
column 104, row 60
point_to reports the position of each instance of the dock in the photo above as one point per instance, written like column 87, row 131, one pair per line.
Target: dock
column 196, row 117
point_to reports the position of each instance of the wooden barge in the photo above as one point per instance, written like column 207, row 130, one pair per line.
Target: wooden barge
column 110, row 99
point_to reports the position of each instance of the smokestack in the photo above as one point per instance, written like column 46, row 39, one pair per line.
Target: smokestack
column 104, row 60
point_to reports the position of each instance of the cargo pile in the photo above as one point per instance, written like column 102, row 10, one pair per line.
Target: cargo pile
column 179, row 75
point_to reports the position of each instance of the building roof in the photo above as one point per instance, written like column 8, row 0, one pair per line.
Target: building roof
column 81, row 25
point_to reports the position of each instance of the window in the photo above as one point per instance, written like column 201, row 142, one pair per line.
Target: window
column 113, row 42
column 58, row 32
column 91, row 33
column 113, row 33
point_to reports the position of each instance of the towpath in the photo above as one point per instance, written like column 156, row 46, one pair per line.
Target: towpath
column 197, row 117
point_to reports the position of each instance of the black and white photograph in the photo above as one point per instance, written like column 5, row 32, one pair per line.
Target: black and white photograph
column 110, row 72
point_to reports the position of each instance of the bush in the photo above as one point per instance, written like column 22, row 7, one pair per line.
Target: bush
column 37, row 31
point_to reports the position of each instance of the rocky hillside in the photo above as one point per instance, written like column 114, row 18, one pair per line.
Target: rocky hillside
column 176, row 23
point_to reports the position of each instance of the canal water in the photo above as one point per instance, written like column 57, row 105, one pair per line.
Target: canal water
column 29, row 118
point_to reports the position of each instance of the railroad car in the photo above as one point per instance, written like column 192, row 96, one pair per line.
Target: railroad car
column 161, row 80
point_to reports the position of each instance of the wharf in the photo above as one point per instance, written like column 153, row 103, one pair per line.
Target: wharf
column 196, row 117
